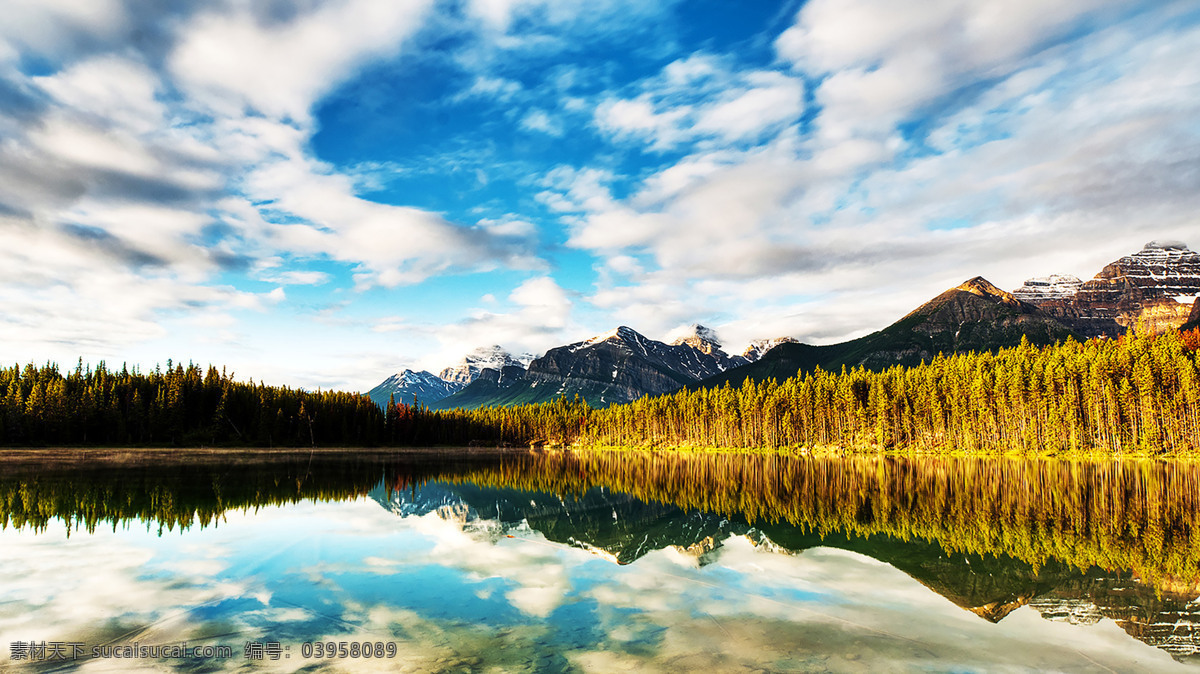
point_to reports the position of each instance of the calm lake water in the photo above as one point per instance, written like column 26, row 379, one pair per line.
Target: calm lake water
column 595, row 562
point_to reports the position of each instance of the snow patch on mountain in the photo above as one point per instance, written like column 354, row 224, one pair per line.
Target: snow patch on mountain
column 1043, row 288
column 759, row 347
column 408, row 385
column 488, row 357
column 694, row 334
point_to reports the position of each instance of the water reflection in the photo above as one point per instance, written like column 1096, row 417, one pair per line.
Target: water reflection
column 722, row 561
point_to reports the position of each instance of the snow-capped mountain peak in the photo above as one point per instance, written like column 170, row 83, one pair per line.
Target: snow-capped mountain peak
column 492, row 357
column 621, row 334
column 698, row 337
column 405, row 386
column 759, row 347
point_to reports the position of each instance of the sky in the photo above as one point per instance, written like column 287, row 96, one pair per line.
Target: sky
column 320, row 193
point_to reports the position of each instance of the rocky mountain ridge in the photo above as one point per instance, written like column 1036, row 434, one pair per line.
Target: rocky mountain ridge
column 487, row 357
column 1045, row 288
column 616, row 367
column 759, row 347
column 404, row 387
column 972, row 316
column 1156, row 287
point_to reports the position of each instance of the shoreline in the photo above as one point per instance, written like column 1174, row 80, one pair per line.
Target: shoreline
column 114, row 454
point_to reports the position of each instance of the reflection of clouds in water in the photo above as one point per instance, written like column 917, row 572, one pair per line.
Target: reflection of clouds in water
column 426, row 645
column 536, row 566
column 827, row 608
column 534, row 569
column 96, row 586
column 353, row 571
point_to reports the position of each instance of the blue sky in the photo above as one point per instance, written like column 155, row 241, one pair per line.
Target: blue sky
column 321, row 193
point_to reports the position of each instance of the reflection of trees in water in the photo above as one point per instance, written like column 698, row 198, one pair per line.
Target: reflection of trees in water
column 1026, row 526
column 180, row 491
column 1142, row 516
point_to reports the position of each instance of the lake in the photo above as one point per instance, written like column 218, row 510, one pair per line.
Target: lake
column 138, row 560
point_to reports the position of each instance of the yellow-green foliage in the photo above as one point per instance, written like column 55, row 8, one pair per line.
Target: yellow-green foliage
column 1136, row 515
column 1137, row 394
column 1140, row 515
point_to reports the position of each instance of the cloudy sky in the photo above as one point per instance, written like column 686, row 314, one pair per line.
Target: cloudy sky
column 323, row 192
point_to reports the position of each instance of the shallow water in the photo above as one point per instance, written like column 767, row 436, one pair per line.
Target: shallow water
column 455, row 561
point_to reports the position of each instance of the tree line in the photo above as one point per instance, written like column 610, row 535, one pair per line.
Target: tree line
column 189, row 406
column 1136, row 393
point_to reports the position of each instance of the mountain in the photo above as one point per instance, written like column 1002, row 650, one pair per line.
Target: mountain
column 974, row 316
column 1047, row 288
column 759, row 347
column 705, row 341
column 488, row 357
column 1166, row 618
column 617, row 367
column 609, row 524
column 491, row 387
column 1156, row 286
column 426, row 387
column 1193, row 320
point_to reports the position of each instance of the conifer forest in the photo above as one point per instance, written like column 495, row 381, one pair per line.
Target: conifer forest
column 1133, row 394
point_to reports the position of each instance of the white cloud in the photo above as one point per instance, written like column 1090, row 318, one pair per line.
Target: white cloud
column 540, row 120
column 702, row 98
column 120, row 91
column 563, row 15
column 162, row 148
column 959, row 35
column 772, row 100
column 538, row 318
column 484, row 86
column 299, row 278
column 132, row 177
column 50, row 27
column 639, row 118
column 66, row 299
column 392, row 245
column 1062, row 136
column 883, row 62
column 233, row 59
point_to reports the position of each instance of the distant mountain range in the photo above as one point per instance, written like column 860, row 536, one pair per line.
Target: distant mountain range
column 616, row 367
column 1157, row 287
column 975, row 316
column 426, row 388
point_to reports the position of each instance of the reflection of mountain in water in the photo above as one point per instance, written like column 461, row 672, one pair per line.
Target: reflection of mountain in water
column 610, row 524
column 622, row 528
column 1169, row 620
column 1075, row 540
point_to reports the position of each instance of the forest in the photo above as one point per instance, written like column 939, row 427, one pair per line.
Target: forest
column 1133, row 394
